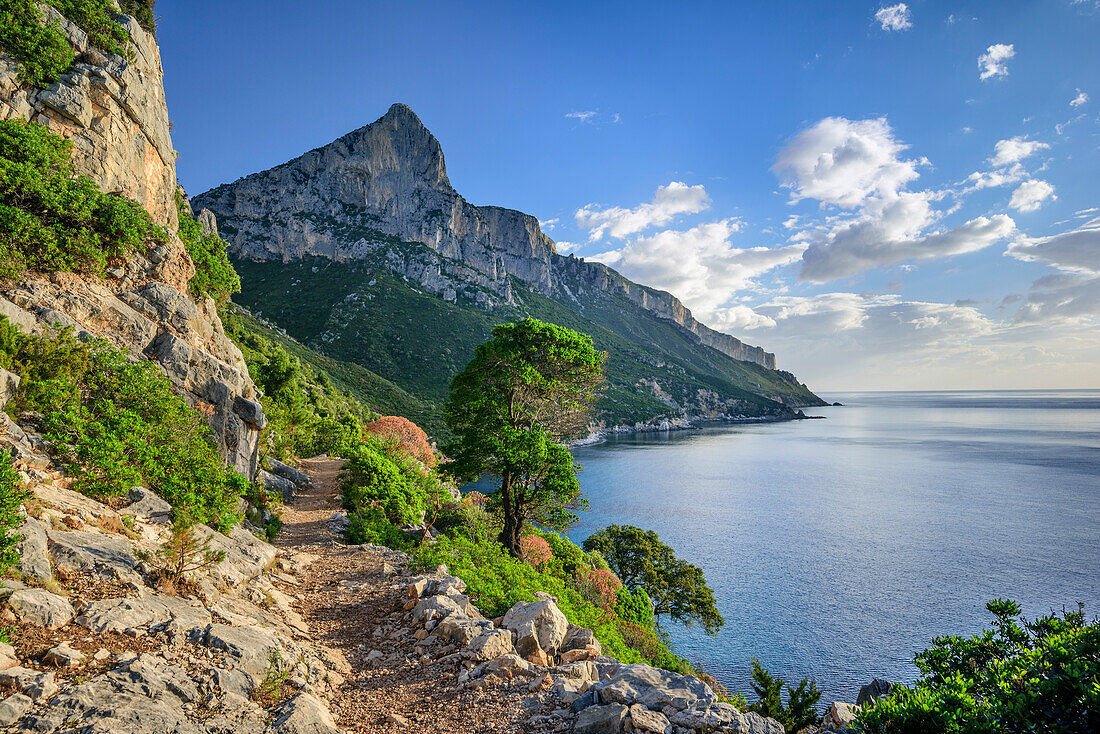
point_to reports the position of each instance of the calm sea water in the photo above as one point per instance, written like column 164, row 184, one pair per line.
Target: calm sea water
column 838, row 548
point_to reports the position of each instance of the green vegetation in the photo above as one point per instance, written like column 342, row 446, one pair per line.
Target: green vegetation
column 183, row 552
column 214, row 275
column 801, row 709
column 116, row 423
column 1041, row 675
column 529, row 388
column 41, row 48
column 642, row 561
column 359, row 313
column 52, row 219
column 143, row 11
column 12, row 495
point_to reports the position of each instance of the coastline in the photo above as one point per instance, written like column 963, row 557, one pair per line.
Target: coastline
column 599, row 435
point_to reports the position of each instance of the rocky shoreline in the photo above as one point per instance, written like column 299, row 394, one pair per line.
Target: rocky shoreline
column 600, row 435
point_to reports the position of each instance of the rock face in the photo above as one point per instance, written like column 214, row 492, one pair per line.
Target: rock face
column 369, row 194
column 114, row 111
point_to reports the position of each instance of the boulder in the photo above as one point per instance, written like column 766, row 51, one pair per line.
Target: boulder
column 642, row 719
column 840, row 715
column 280, row 469
column 303, row 714
column 41, row 607
column 234, row 681
column 607, row 719
column 94, row 552
column 580, row 638
column 462, row 630
column 147, row 505
column 8, row 658
column 538, row 625
column 250, row 412
column 278, row 485
column 31, row 682
column 878, row 688
column 753, row 723
column 13, row 707
column 169, row 613
column 491, row 644
column 654, row 689
column 34, row 558
column 707, row 716
column 63, row 656
column 250, row 647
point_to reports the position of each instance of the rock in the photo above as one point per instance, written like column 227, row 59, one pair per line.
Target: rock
column 707, row 716
column 538, row 625
column 280, row 469
column 250, row 412
column 572, row 656
column 654, row 689
column 462, row 630
column 649, row 721
column 34, row 560
column 95, row 552
column 876, row 689
column 251, row 648
column 840, row 715
column 234, row 681
column 13, row 707
column 147, row 505
column 168, row 613
column 339, row 522
column 303, row 714
column 9, row 386
column 580, row 638
column 754, row 723
column 41, row 607
column 277, row 485
column 396, row 719
column 31, row 682
column 584, row 700
column 8, row 658
column 63, row 656
column 607, row 719
column 491, row 644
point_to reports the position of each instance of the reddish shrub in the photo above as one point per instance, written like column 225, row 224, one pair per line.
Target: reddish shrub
column 409, row 437
column 598, row 586
column 534, row 550
column 475, row 498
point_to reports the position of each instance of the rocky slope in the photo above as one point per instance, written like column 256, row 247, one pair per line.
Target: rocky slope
column 378, row 200
column 113, row 110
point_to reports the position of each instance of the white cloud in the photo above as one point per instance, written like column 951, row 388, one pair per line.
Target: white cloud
column 994, row 62
column 582, row 116
column 1030, row 195
column 698, row 265
column 548, row 225
column 844, row 162
column 895, row 17
column 565, row 248
column 1079, row 100
column 1072, row 295
column 668, row 202
column 867, row 244
column 1075, row 251
column 991, row 179
column 1014, row 150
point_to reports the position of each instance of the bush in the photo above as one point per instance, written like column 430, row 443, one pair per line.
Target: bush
column 214, row 274
column 115, row 422
column 52, row 219
column 370, row 525
column 12, row 495
column 800, row 711
column 1019, row 676
column 143, row 11
column 96, row 18
column 42, row 50
column 371, row 478
column 408, row 438
column 534, row 550
column 598, row 587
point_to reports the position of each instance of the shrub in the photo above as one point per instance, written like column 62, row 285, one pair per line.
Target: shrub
column 96, row 18
column 408, row 437
column 371, row 478
column 1019, row 676
column 42, row 50
column 214, row 274
column 370, row 525
column 633, row 605
column 12, row 495
column 534, row 551
column 52, row 219
column 598, row 587
column 143, row 11
column 800, row 711
column 183, row 552
column 115, row 422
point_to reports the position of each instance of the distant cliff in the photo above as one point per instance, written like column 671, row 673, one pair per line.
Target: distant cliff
column 388, row 178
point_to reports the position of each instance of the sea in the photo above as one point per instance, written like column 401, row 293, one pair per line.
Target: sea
column 838, row 548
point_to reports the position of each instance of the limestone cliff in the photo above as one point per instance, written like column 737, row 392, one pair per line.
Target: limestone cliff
column 113, row 110
column 368, row 194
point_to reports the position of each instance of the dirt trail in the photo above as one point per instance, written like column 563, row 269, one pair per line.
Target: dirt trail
column 353, row 600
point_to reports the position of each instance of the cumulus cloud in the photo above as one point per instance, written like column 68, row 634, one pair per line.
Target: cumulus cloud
column 1014, row 150
column 866, row 244
column 1030, row 195
column 1075, row 251
column 699, row 265
column 668, row 202
column 991, row 179
column 548, row 225
column 845, row 162
column 565, row 248
column 994, row 62
column 895, row 17
column 1079, row 100
column 1071, row 295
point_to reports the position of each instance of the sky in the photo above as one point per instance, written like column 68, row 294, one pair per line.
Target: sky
column 885, row 195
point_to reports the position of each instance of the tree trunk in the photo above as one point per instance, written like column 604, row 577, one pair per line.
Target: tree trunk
column 513, row 523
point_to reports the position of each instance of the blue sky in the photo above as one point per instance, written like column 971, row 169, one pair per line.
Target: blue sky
column 886, row 195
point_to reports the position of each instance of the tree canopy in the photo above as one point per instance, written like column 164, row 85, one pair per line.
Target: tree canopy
column 677, row 588
column 526, row 390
